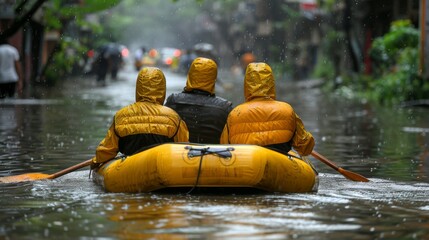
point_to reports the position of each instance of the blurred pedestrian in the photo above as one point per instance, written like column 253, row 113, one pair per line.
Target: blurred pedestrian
column 11, row 80
column 206, row 50
column 143, row 124
column 186, row 60
column 262, row 120
column 139, row 54
column 204, row 113
column 101, row 65
column 115, row 59
column 246, row 58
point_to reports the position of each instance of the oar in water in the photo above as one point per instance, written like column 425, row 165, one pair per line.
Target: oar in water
column 39, row 176
column 350, row 175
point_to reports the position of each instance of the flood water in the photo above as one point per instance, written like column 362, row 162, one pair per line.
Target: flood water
column 64, row 126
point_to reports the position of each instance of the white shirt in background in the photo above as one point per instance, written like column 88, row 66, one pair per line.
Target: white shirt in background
column 8, row 56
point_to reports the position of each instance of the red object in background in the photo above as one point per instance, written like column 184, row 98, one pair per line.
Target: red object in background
column 367, row 57
column 168, row 61
column 90, row 53
column 125, row 52
column 153, row 53
column 308, row 5
column 177, row 53
column 247, row 58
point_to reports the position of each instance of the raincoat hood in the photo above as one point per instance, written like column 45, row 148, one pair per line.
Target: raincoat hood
column 202, row 75
column 151, row 86
column 259, row 82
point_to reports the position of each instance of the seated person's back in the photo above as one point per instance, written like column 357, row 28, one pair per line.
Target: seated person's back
column 264, row 121
column 204, row 114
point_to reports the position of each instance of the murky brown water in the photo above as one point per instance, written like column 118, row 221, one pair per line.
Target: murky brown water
column 387, row 145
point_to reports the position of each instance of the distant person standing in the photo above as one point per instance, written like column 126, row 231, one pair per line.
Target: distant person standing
column 246, row 58
column 138, row 58
column 186, row 60
column 101, row 65
column 10, row 70
column 115, row 60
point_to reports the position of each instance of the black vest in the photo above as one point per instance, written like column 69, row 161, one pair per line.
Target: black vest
column 204, row 114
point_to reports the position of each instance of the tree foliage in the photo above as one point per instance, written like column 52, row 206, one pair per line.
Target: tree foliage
column 386, row 51
column 395, row 57
column 69, row 51
column 395, row 61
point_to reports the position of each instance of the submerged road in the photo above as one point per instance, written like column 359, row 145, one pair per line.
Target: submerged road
column 64, row 125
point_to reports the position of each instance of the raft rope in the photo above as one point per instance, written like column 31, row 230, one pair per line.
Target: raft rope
column 223, row 153
column 198, row 174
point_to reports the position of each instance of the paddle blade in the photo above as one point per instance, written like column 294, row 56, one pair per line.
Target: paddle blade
column 353, row 176
column 24, row 177
column 349, row 175
column 39, row 176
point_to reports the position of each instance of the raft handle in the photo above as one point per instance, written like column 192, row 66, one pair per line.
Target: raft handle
column 221, row 152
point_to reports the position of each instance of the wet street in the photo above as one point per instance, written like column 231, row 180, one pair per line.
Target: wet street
column 65, row 124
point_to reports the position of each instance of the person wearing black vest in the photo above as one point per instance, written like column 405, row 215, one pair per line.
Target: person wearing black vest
column 204, row 113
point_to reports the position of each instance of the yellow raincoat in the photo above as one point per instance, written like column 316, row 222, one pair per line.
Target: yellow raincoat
column 143, row 123
column 202, row 75
column 262, row 120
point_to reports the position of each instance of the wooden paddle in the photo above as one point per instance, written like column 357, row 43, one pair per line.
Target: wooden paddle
column 350, row 175
column 39, row 176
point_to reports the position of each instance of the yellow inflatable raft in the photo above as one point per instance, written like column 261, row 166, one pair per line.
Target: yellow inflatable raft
column 187, row 165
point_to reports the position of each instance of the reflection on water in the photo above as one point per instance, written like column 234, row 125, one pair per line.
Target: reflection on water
column 387, row 145
column 72, row 206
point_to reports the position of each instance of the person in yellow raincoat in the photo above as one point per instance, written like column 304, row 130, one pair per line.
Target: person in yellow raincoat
column 143, row 124
column 263, row 121
column 204, row 113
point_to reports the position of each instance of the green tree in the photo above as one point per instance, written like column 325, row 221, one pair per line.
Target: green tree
column 58, row 15
column 395, row 58
column 62, row 16
column 24, row 12
column 395, row 78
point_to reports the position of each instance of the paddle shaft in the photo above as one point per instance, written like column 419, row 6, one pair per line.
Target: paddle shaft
column 324, row 160
column 71, row 169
